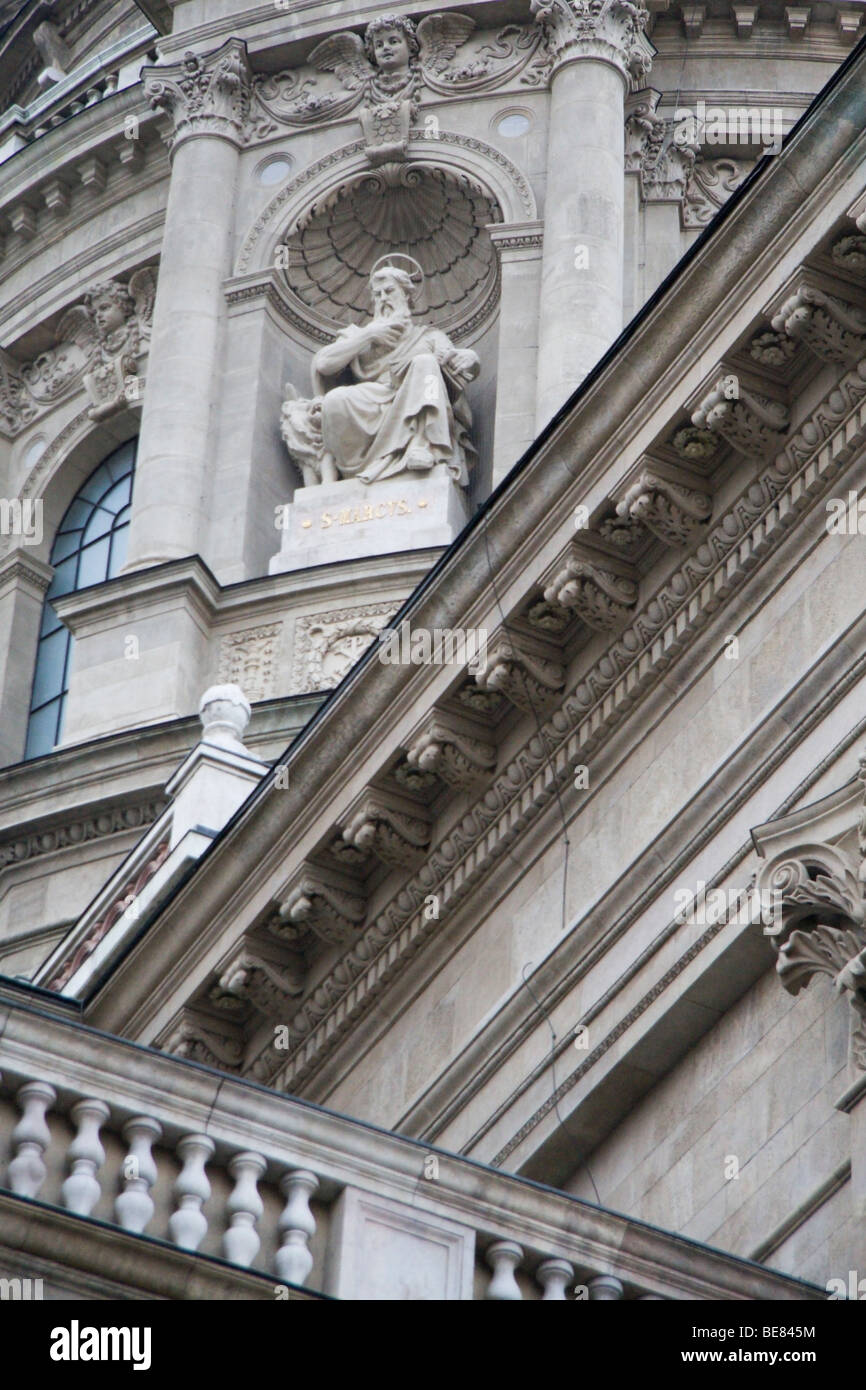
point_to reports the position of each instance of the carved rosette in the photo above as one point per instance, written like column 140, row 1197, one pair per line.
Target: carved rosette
column 831, row 328
column 267, row 986
column 693, row 444
column 208, row 95
column 601, row 593
column 819, row 926
column 389, row 830
column 453, row 752
column 752, row 424
column 526, row 672
column 613, row 31
column 321, row 903
column 772, row 349
column 671, row 511
column 850, row 253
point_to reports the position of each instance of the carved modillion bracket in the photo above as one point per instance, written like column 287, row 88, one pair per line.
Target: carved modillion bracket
column 525, row 670
column 269, row 986
column 389, row 828
column 817, row 925
column 601, row 590
column 451, row 748
column 199, row 1038
column 807, row 311
column 750, row 422
column 319, row 901
column 672, row 508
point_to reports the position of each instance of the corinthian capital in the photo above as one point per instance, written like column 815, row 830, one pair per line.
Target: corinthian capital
column 207, row 95
column 612, row 31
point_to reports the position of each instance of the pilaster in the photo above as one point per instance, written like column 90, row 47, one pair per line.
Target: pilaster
column 208, row 101
column 597, row 49
column 23, row 583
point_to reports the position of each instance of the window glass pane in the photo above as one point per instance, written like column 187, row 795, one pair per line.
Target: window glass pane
column 65, row 545
column 90, row 546
column 42, row 730
column 121, row 464
column 64, row 581
column 95, row 486
column 50, row 621
column 118, row 551
column 99, row 524
column 94, row 564
column 50, row 668
column 77, row 515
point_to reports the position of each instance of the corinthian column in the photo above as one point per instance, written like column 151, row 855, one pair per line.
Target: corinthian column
column 597, row 46
column 208, row 100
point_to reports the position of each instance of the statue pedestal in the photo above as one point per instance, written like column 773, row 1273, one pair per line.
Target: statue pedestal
column 350, row 520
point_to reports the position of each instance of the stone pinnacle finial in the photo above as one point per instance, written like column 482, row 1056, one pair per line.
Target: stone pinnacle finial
column 224, row 711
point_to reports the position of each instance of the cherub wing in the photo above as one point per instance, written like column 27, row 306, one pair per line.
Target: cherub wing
column 344, row 55
column 77, row 326
column 440, row 36
column 142, row 287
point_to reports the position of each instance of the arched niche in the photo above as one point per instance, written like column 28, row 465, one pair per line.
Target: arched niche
column 460, row 158
column 280, row 315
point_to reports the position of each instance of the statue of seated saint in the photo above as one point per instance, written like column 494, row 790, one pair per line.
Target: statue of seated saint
column 390, row 394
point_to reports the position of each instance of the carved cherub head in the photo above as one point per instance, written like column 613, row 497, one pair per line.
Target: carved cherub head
column 111, row 305
column 391, row 43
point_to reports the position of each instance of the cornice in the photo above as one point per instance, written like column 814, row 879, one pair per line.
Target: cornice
column 188, row 578
column 112, row 254
column 737, row 546
column 724, row 797
column 87, row 134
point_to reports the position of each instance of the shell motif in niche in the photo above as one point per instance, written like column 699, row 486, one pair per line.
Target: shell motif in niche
column 438, row 218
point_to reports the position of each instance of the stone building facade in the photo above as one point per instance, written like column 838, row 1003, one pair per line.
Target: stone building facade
column 469, row 402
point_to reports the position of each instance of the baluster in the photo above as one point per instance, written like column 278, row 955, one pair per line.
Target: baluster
column 32, row 1136
column 188, row 1224
column 554, row 1276
column 297, row 1224
column 241, row 1242
column 133, row 1208
column 81, row 1190
column 604, row 1288
column 503, row 1257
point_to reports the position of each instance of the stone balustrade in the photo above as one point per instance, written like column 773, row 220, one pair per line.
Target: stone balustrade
column 88, row 84
column 174, row 1177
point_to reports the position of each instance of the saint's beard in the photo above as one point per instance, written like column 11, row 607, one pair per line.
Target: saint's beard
column 397, row 313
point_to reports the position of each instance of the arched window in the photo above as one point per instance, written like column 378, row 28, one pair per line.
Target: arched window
column 90, row 547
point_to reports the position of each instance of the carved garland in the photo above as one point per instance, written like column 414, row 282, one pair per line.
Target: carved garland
column 122, row 902
column 603, row 698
